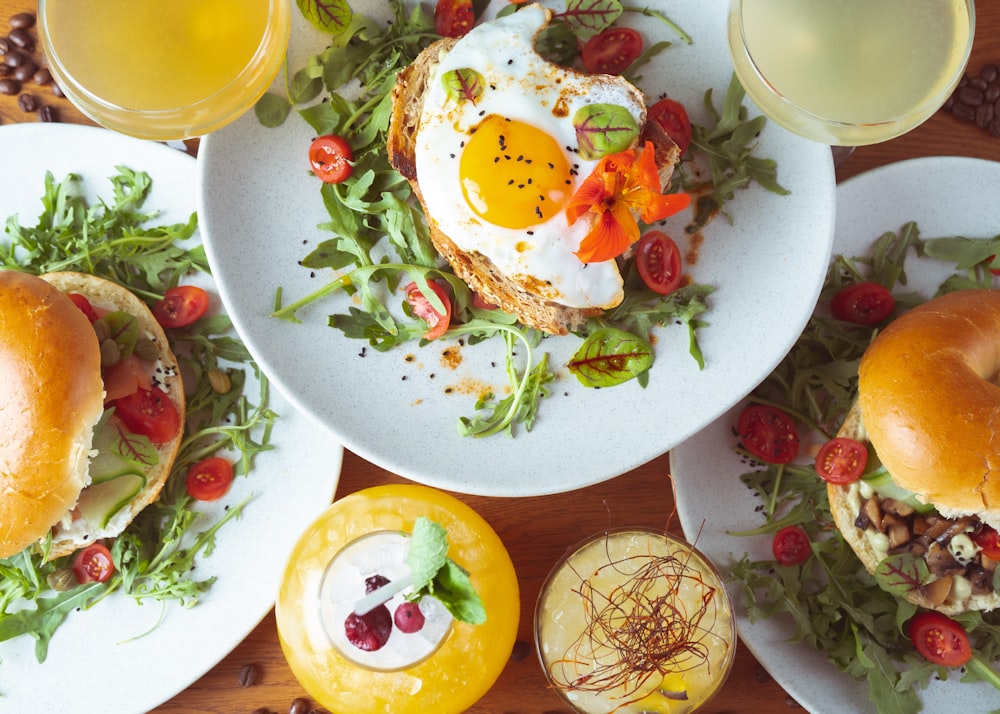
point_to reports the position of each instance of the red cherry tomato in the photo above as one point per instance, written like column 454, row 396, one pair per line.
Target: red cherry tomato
column 181, row 306
column 791, row 546
column 611, row 51
column 422, row 308
column 93, row 564
column 841, row 460
column 209, row 479
column 84, row 305
column 673, row 117
column 863, row 304
column 988, row 539
column 453, row 18
column 768, row 434
column 330, row 157
column 658, row 260
column 939, row 639
column 149, row 412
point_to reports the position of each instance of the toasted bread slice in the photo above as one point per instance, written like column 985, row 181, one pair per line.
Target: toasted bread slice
column 477, row 270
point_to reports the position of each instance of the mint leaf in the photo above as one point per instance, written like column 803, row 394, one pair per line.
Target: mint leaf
column 428, row 551
column 454, row 589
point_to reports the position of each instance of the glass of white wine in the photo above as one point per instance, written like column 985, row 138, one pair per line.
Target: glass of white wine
column 850, row 72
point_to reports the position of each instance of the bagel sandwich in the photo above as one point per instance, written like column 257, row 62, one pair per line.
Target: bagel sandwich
column 74, row 466
column 929, row 407
column 488, row 135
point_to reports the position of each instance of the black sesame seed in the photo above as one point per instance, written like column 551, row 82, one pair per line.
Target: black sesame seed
column 510, row 61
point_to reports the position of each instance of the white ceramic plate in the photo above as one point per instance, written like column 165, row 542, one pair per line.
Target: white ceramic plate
column 101, row 660
column 946, row 196
column 260, row 208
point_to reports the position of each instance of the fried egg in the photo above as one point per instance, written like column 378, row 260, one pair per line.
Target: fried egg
column 498, row 163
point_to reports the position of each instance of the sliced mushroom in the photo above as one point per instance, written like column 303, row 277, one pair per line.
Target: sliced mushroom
column 937, row 591
column 898, row 508
column 898, row 534
column 940, row 562
column 870, row 515
column 981, row 579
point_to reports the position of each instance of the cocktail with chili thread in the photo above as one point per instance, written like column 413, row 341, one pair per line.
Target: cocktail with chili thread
column 635, row 620
column 164, row 70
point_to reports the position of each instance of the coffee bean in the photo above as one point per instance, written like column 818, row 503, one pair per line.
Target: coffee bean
column 57, row 90
column 22, row 20
column 25, row 72
column 300, row 705
column 10, row 87
column 262, row 710
column 989, row 72
column 42, row 77
column 975, row 82
column 248, row 675
column 984, row 115
column 970, row 96
column 13, row 58
column 520, row 651
column 964, row 112
column 4, row 45
column 22, row 39
column 28, row 103
column 48, row 114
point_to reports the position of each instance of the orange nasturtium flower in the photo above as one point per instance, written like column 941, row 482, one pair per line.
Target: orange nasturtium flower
column 620, row 186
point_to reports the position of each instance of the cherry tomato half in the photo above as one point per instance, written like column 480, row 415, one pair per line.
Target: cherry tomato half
column 149, row 412
column 453, row 18
column 93, row 564
column 209, row 479
column 181, row 306
column 84, row 305
column 841, row 460
column 791, row 546
column 939, row 639
column 768, row 434
column 658, row 260
column 673, row 117
column 423, row 309
column 988, row 539
column 330, row 157
column 611, row 51
column 863, row 304
column 124, row 377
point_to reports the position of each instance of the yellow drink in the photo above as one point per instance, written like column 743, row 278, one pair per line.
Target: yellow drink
column 164, row 70
column 635, row 620
column 850, row 72
column 468, row 658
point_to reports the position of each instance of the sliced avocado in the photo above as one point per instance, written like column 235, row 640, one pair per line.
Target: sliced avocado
column 99, row 502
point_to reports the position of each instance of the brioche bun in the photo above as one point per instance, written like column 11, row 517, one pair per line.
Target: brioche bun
column 931, row 406
column 51, row 397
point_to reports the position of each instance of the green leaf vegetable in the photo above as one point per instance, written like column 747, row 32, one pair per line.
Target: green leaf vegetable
column 154, row 558
column 375, row 205
column 834, row 604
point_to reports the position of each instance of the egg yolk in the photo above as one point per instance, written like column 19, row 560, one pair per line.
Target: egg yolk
column 513, row 174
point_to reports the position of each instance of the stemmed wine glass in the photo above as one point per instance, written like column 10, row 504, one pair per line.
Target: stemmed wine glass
column 850, row 72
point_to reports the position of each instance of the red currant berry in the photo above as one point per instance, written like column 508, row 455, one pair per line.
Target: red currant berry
column 408, row 617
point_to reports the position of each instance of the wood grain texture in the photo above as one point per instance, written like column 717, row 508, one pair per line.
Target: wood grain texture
column 537, row 530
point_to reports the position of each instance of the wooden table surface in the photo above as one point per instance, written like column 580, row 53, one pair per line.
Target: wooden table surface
column 537, row 530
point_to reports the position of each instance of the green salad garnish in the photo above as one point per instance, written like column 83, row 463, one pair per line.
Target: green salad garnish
column 116, row 239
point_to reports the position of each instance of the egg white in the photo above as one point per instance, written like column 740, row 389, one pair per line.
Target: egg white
column 520, row 85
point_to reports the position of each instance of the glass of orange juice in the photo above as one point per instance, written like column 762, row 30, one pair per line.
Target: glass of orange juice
column 164, row 70
column 394, row 654
column 635, row 620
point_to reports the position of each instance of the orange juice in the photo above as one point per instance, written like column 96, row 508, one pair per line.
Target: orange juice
column 461, row 660
column 164, row 69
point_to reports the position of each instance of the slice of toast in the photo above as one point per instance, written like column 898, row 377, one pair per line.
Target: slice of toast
column 477, row 270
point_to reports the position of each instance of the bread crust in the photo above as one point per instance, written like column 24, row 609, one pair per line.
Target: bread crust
column 931, row 405
column 51, row 396
column 109, row 295
column 477, row 270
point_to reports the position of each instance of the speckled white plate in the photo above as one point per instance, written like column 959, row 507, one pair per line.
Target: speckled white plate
column 260, row 208
column 103, row 660
column 946, row 196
